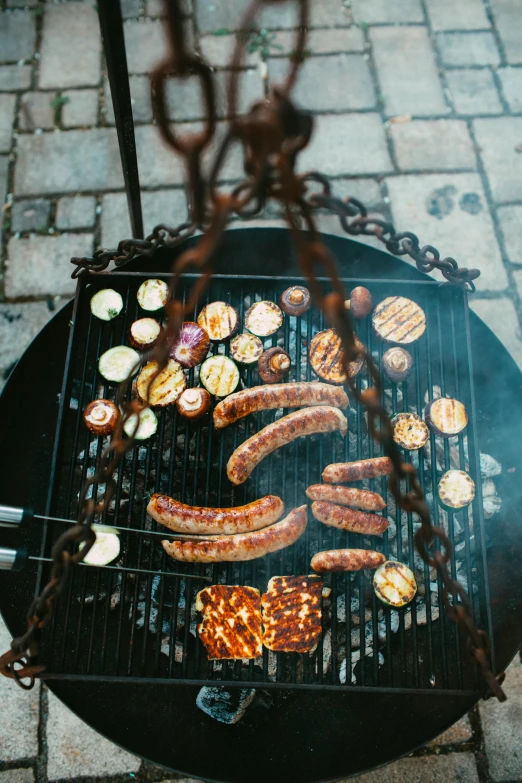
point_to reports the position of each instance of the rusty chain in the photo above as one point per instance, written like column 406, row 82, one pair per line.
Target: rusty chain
column 271, row 136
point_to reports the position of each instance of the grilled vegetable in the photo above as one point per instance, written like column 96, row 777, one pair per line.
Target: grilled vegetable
column 220, row 320
column 399, row 320
column 326, row 357
column 101, row 417
column 361, row 302
column 397, row 364
column 106, row 304
column 165, row 388
column 153, row 294
column 191, row 345
column 456, row 489
column 147, row 426
column 219, row 375
column 193, row 403
column 409, row 431
column 273, row 365
column 446, row 416
column 296, row 300
column 246, row 348
column 263, row 318
column 394, row 584
column 118, row 363
column 105, row 549
column 144, row 333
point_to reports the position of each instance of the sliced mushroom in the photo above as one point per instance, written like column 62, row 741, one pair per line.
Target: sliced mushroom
column 397, row 364
column 295, row 300
column 101, row 417
column 193, row 403
column 274, row 365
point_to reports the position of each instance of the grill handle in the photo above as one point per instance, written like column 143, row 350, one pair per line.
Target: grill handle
column 11, row 516
column 12, row 559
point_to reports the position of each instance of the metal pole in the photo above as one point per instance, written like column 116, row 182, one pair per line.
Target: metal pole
column 111, row 25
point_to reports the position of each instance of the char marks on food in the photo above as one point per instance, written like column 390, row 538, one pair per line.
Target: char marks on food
column 349, row 519
column 338, row 472
column 231, row 624
column 399, row 320
column 292, row 617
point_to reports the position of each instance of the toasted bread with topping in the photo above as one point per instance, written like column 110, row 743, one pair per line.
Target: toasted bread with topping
column 292, row 619
column 231, row 625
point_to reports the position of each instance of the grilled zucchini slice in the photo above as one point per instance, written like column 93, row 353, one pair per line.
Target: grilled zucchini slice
column 326, row 357
column 153, row 294
column 409, row 431
column 219, row 320
column 263, row 318
column 118, row 363
column 105, row 549
column 165, row 388
column 219, row 375
column 144, row 333
column 394, row 583
column 446, row 416
column 246, row 348
column 399, row 320
column 106, row 304
column 456, row 489
column 147, row 426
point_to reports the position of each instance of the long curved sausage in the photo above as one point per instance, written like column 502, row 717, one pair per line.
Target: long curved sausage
column 244, row 546
column 304, row 422
column 349, row 519
column 355, row 471
column 277, row 395
column 346, row 560
column 202, row 520
column 346, row 496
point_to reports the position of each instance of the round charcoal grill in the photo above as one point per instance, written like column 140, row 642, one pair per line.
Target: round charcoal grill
column 303, row 725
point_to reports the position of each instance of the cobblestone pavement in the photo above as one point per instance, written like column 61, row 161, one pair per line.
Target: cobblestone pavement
column 419, row 106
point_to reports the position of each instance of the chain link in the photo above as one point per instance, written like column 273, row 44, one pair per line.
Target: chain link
column 271, row 136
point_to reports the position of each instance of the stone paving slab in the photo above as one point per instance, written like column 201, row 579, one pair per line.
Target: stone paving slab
column 40, row 266
column 17, row 776
column 70, row 54
column 473, row 91
column 17, row 36
column 511, row 80
column 81, row 108
column 14, row 77
column 507, row 19
column 459, row 767
column 7, row 113
column 440, row 145
column 468, row 48
column 76, row 212
column 503, row 728
column 500, row 316
column 384, row 12
column 510, row 219
column 340, row 40
column 36, row 111
column 163, row 206
column 461, row 15
column 498, row 139
column 30, row 215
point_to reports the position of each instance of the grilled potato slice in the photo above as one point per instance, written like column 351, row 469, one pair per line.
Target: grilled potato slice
column 394, row 583
column 326, row 357
column 399, row 320
column 165, row 388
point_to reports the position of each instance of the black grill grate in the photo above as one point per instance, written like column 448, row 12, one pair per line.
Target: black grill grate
column 124, row 624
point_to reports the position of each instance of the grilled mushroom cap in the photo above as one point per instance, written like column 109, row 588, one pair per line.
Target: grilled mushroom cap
column 409, row 431
column 193, row 403
column 273, row 365
column 166, row 386
column 295, row 300
column 326, row 357
column 397, row 364
column 361, row 302
column 101, row 417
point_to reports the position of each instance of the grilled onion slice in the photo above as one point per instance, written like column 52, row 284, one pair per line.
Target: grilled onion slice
column 446, row 416
column 409, row 431
column 106, row 304
column 456, row 489
column 144, row 333
column 394, row 583
column 219, row 375
column 326, row 355
column 191, row 345
column 263, row 318
column 147, row 426
column 118, row 363
column 165, row 388
column 219, row 320
column 246, row 348
column 153, row 294
column 399, row 320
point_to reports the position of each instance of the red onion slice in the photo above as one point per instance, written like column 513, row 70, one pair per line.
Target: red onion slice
column 191, row 345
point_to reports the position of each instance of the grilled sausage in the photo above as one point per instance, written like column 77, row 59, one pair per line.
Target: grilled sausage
column 278, row 395
column 346, row 496
column 355, row 471
column 304, row 422
column 198, row 519
column 348, row 519
column 245, row 546
column 346, row 560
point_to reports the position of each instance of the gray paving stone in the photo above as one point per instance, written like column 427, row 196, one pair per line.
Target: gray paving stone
column 19, row 325
column 156, row 8
column 21, row 3
column 468, row 48
column 130, row 8
column 19, row 734
column 440, row 145
column 4, row 163
column 459, row 767
column 461, row 731
column 81, row 109
column 330, row 224
column 473, row 91
column 339, row 82
column 30, row 215
column 146, row 44
column 7, row 114
column 77, row 750
column 501, row 317
column 463, row 15
column 185, row 101
column 76, row 212
column 77, row 160
column 14, row 77
column 330, row 13
column 218, row 50
column 157, row 162
column 497, row 139
column 510, row 218
column 511, row 80
column 347, row 144
column 334, row 40
column 140, row 99
column 70, row 30
column 17, row 36
column 507, row 20
column 17, row 776
column 382, row 11
column 450, row 212
column 40, row 265
column 366, row 190
column 36, row 111
column 407, row 71
column 162, row 206
column 214, row 15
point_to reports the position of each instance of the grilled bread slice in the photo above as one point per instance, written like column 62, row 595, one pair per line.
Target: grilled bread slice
column 292, row 619
column 231, row 625
column 399, row 320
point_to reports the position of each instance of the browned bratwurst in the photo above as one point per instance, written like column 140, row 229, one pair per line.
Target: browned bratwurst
column 355, row 471
column 348, row 519
column 346, row 560
column 245, row 546
column 346, row 496
column 308, row 421
column 277, row 395
column 200, row 519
